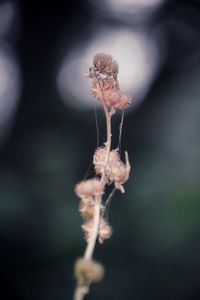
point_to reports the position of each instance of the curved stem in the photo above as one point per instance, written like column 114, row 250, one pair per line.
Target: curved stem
column 79, row 292
column 91, row 244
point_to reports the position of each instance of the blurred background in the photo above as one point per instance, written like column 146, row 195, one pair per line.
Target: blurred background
column 48, row 136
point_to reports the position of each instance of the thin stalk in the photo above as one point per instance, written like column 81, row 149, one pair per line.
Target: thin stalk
column 90, row 246
column 79, row 292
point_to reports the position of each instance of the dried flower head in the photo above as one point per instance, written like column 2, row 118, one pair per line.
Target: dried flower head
column 100, row 157
column 88, row 271
column 115, row 170
column 105, row 230
column 120, row 173
column 105, row 86
column 89, row 188
column 116, row 99
column 86, row 207
column 105, row 64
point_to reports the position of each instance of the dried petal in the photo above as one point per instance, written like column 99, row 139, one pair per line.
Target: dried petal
column 86, row 207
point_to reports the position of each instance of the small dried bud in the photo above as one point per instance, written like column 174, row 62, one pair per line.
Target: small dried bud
column 120, row 173
column 105, row 86
column 124, row 101
column 100, row 157
column 105, row 64
column 115, row 170
column 89, row 188
column 111, row 97
column 105, row 231
column 87, row 271
column 116, row 99
column 86, row 207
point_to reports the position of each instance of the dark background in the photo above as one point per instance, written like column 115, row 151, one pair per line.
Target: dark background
column 47, row 146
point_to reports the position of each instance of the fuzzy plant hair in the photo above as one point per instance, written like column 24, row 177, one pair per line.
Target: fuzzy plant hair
column 109, row 169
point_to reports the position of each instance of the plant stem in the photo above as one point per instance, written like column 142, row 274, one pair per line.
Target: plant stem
column 79, row 291
column 91, row 244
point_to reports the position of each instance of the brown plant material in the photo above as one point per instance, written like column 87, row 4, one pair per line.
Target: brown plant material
column 86, row 207
column 104, row 233
column 89, row 188
column 109, row 169
column 99, row 160
column 115, row 170
column 120, row 173
column 105, row 86
column 88, row 271
column 116, row 99
column 105, row 64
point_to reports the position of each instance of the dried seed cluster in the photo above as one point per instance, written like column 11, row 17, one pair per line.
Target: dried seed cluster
column 88, row 271
column 116, row 171
column 105, row 64
column 105, row 86
column 105, row 231
column 89, row 188
column 88, row 191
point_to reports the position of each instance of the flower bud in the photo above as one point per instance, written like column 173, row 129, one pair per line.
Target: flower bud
column 88, row 271
column 89, row 188
column 120, row 173
column 86, row 207
column 100, row 157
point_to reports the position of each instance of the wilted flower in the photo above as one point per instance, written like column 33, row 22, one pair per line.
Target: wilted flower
column 105, row 64
column 105, row 86
column 86, row 207
column 115, row 170
column 120, row 173
column 88, row 271
column 105, row 231
column 100, row 157
column 89, row 188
